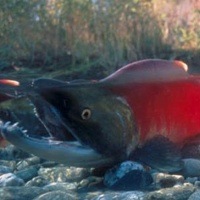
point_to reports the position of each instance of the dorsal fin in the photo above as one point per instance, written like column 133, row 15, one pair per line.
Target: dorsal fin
column 148, row 71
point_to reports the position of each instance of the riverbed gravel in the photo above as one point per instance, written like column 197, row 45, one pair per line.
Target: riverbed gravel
column 24, row 176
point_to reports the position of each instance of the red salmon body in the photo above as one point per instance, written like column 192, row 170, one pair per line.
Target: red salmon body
column 168, row 108
column 164, row 98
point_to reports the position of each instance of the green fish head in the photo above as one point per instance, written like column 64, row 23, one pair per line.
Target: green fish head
column 88, row 114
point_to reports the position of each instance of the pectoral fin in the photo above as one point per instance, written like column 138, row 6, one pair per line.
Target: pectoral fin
column 191, row 149
column 159, row 153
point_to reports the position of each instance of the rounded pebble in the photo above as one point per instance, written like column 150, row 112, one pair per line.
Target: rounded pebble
column 179, row 192
column 11, row 152
column 195, row 195
column 197, row 184
column 127, row 176
column 163, row 180
column 20, row 193
column 28, row 162
column 191, row 179
column 10, row 179
column 56, row 195
column 191, row 167
column 61, row 186
column 9, row 163
column 37, row 181
column 5, row 169
column 27, row 174
column 135, row 195
column 63, row 174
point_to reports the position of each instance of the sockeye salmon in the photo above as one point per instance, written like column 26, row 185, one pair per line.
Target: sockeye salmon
column 147, row 111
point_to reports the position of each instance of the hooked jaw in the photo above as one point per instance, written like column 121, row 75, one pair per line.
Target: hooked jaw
column 71, row 139
column 70, row 153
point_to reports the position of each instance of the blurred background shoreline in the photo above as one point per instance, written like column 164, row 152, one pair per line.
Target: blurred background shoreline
column 95, row 37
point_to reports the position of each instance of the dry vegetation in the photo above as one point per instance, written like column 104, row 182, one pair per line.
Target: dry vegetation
column 78, row 34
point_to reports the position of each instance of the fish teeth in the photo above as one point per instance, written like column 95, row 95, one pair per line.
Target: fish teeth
column 7, row 124
column 24, row 131
column 35, row 111
column 15, row 124
column 31, row 104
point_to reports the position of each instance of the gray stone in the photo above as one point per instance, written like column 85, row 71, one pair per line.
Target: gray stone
column 37, row 181
column 128, row 175
column 9, row 163
column 162, row 180
column 63, row 174
column 5, row 169
column 84, row 183
column 27, row 174
column 48, row 163
column 90, row 182
column 135, row 195
column 197, row 184
column 12, row 152
column 20, row 193
column 10, row 179
column 179, row 192
column 191, row 167
column 191, row 179
column 92, row 195
column 195, row 196
column 56, row 195
column 28, row 162
column 62, row 186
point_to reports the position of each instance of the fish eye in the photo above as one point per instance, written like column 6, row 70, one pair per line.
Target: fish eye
column 86, row 114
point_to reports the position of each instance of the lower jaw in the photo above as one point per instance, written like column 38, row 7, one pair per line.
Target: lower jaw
column 69, row 153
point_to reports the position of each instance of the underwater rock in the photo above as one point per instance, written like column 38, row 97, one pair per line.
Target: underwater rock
column 191, row 179
column 5, row 169
column 90, row 182
column 179, row 192
column 34, row 160
column 37, row 181
column 48, row 164
column 136, row 195
column 10, row 179
column 128, row 175
column 62, row 186
column 20, row 193
column 27, row 174
column 195, row 195
column 56, row 195
column 11, row 152
column 191, row 167
column 63, row 174
column 197, row 184
column 9, row 163
column 162, row 180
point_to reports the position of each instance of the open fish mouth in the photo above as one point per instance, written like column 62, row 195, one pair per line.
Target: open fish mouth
column 58, row 144
column 85, row 124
